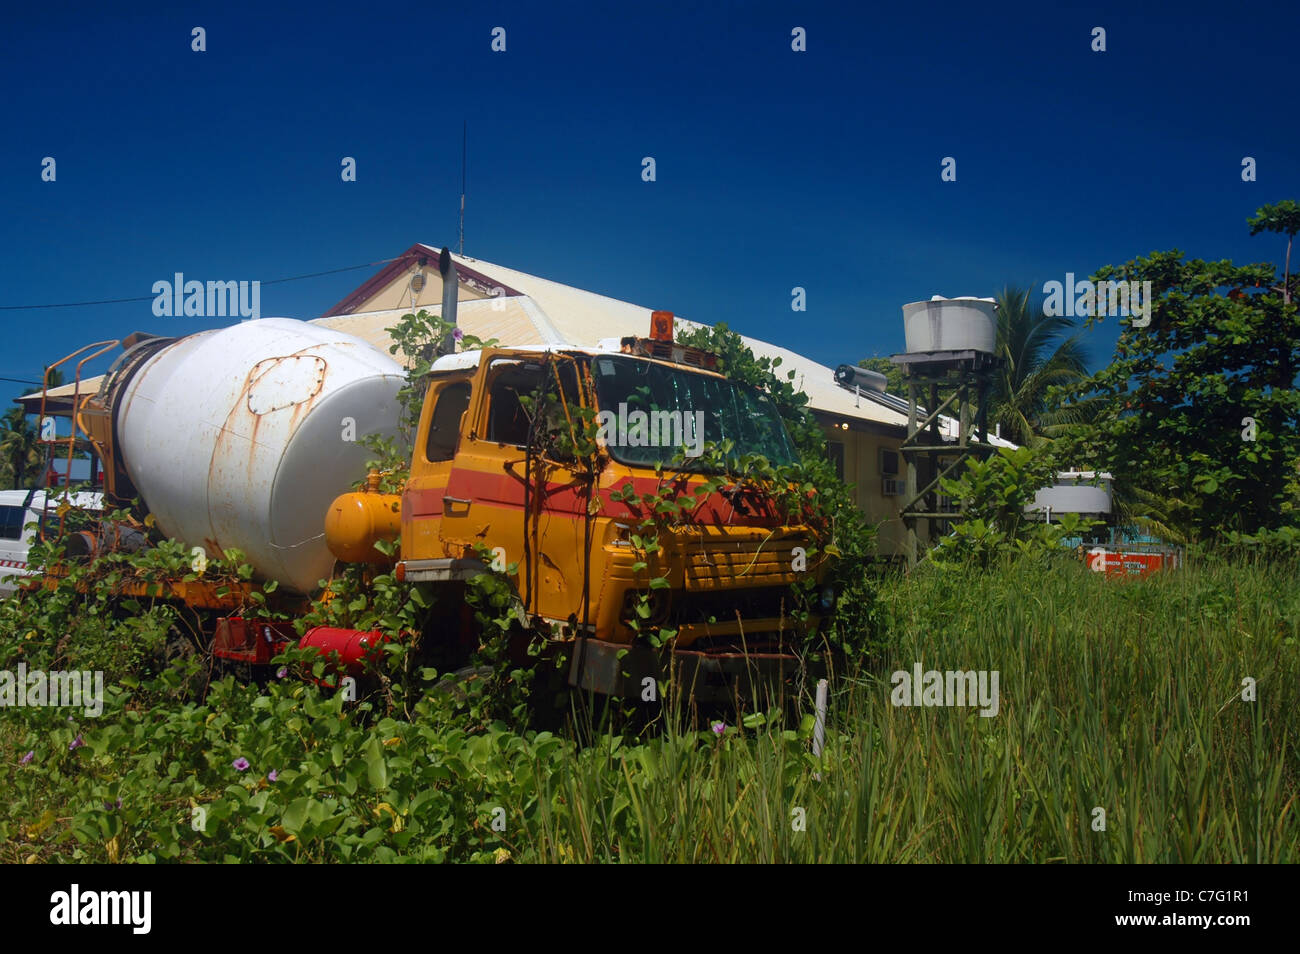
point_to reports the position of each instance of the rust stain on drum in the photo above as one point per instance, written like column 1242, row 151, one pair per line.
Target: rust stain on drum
column 283, row 391
column 224, row 446
column 243, row 426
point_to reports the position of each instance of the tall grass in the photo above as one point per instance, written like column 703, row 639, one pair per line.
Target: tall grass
column 1124, row 697
column 1114, row 695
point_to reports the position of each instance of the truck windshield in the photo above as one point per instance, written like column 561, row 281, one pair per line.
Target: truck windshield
column 652, row 414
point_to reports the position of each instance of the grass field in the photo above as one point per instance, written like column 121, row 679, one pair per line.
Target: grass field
column 1122, row 698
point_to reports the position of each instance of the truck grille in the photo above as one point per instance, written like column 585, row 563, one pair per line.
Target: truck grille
column 721, row 606
column 684, row 608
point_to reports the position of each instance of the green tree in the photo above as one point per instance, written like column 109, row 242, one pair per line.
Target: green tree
column 21, row 457
column 892, row 372
column 1039, row 352
column 19, row 451
column 1199, row 407
column 1284, row 219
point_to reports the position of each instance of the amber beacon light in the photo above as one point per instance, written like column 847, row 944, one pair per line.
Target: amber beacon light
column 661, row 325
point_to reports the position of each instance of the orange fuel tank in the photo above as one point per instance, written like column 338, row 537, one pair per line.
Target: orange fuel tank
column 356, row 521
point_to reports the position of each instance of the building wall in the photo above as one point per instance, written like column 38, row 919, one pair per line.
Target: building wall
column 397, row 293
column 862, row 472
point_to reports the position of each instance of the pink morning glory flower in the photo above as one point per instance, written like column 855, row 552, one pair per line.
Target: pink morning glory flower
column 240, row 763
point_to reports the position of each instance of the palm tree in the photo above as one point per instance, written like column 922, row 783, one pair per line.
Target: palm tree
column 1038, row 352
column 1163, row 517
column 20, row 453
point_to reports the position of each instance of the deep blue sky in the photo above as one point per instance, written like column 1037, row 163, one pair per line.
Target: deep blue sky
column 775, row 168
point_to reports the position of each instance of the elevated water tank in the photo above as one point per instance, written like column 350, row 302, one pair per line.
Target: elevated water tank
column 950, row 324
column 243, row 436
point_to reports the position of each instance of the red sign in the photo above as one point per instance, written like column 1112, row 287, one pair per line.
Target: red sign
column 1132, row 562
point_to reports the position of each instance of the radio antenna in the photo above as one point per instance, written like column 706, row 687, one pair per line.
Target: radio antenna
column 464, row 136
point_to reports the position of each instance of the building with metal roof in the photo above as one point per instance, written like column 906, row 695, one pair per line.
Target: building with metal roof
column 865, row 428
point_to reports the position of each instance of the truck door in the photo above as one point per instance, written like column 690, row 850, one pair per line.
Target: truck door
column 440, row 437
column 501, row 495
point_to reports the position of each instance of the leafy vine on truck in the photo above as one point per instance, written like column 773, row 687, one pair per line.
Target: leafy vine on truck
column 646, row 517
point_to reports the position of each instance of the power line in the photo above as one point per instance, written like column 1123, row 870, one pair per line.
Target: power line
column 118, row 301
column 75, row 304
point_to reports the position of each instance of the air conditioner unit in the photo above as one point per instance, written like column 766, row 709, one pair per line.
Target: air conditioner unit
column 892, row 486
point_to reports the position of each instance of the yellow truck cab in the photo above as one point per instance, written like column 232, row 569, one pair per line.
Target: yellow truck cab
column 493, row 479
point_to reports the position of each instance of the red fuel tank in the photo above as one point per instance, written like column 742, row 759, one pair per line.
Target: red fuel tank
column 352, row 645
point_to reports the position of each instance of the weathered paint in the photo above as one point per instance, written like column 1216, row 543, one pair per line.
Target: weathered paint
column 478, row 498
column 234, row 438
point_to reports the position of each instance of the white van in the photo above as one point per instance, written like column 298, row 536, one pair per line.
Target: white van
column 20, row 512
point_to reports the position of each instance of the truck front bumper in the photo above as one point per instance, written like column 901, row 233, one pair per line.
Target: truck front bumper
column 618, row 669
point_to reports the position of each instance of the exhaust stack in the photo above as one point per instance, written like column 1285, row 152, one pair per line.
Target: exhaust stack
column 450, row 292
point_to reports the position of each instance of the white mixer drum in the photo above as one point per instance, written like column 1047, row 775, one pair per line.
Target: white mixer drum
column 242, row 437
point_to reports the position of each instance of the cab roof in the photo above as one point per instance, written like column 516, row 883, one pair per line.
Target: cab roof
column 469, row 360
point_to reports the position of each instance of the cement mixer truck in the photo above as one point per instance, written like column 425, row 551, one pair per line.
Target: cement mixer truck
column 236, row 438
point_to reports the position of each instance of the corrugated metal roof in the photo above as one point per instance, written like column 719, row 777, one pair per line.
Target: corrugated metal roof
column 555, row 314
column 59, row 400
column 509, row 320
column 582, row 318
column 87, row 386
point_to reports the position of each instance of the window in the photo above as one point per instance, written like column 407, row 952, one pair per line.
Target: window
column 836, row 450
column 444, row 426
column 534, row 382
column 507, row 419
column 888, row 462
column 692, row 407
column 11, row 522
